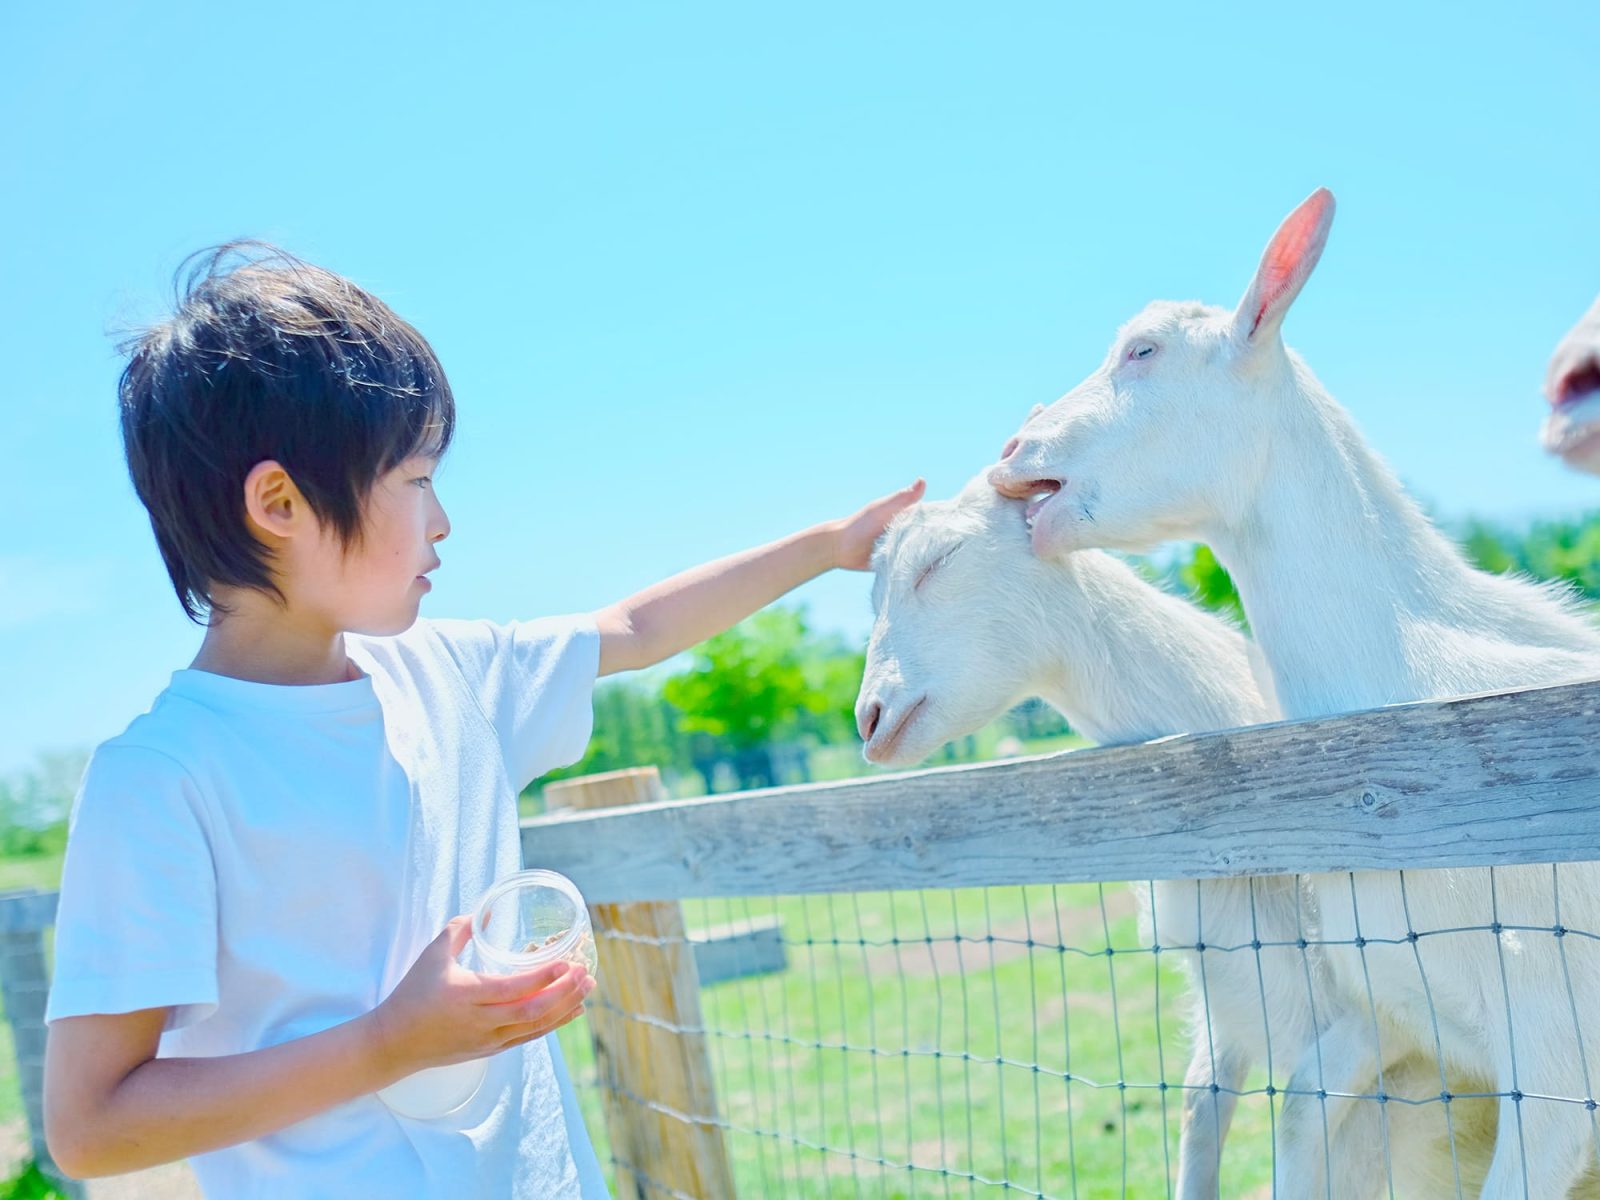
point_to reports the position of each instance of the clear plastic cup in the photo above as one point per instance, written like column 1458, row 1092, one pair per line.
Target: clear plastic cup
column 523, row 921
column 531, row 918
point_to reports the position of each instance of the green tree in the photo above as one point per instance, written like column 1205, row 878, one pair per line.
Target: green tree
column 1562, row 551
column 834, row 667
column 1568, row 551
column 633, row 727
column 35, row 804
column 750, row 685
column 1209, row 583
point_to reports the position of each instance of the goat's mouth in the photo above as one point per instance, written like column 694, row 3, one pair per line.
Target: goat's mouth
column 1572, row 430
column 1580, row 383
column 883, row 749
column 1038, row 493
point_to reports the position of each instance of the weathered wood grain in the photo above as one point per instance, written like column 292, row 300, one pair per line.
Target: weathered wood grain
column 1510, row 778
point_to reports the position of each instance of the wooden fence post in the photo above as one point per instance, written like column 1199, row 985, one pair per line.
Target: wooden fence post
column 659, row 1101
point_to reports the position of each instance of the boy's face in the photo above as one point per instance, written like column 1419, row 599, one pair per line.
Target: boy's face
column 376, row 585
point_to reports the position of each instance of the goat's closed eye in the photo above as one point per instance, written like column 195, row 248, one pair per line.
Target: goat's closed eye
column 922, row 575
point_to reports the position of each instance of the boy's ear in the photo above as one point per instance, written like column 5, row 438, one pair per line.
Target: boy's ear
column 272, row 502
column 1285, row 267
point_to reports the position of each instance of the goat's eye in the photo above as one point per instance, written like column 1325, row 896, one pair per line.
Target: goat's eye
column 1141, row 350
column 922, row 576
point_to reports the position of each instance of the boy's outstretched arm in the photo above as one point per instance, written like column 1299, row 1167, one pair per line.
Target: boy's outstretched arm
column 685, row 610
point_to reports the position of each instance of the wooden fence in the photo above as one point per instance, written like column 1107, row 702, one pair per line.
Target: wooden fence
column 25, row 919
column 1489, row 780
column 1479, row 781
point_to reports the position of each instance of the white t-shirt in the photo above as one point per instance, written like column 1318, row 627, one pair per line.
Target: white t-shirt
column 270, row 860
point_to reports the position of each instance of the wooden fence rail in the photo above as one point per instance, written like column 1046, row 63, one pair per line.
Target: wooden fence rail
column 1487, row 780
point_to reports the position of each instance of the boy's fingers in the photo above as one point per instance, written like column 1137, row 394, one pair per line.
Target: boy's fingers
column 555, row 999
column 526, row 1031
column 522, row 1039
column 454, row 936
column 903, row 499
column 508, row 989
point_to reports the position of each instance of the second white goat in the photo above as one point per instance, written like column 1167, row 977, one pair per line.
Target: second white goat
column 969, row 623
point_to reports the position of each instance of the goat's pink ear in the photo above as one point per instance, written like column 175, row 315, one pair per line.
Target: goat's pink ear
column 1285, row 266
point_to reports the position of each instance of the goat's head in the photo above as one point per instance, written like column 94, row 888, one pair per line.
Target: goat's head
column 1148, row 446
column 1572, row 385
column 954, row 641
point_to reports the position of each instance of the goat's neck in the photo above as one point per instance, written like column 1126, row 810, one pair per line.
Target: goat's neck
column 1126, row 662
column 1334, row 561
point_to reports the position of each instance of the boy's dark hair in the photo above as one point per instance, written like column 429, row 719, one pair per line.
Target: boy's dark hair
column 268, row 357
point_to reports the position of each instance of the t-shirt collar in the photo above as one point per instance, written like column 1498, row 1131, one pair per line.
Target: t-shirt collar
column 224, row 691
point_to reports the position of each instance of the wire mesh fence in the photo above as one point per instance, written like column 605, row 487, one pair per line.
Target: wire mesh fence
column 1055, row 1041
column 1368, row 980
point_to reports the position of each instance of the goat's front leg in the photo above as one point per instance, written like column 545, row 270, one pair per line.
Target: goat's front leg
column 1545, row 1146
column 1315, row 1158
column 1210, row 1094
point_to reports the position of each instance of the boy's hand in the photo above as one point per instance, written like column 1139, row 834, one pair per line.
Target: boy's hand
column 443, row 1013
column 856, row 535
column 680, row 612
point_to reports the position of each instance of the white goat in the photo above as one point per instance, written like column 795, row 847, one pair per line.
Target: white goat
column 1572, row 385
column 969, row 623
column 1201, row 424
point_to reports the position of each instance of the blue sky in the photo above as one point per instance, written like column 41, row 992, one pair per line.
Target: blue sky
column 702, row 273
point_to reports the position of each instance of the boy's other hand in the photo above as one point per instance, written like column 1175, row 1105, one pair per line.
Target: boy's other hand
column 856, row 535
column 442, row 1013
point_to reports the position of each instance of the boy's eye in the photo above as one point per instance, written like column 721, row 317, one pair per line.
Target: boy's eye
column 423, row 481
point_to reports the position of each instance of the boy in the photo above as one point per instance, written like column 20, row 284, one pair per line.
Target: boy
column 248, row 943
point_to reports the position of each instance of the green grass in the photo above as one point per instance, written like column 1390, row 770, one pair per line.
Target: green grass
column 884, row 1047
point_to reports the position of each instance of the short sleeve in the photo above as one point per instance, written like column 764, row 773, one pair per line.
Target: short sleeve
column 535, row 681
column 136, row 926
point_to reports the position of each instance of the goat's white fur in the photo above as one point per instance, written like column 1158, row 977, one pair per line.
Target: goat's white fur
column 969, row 622
column 1220, row 433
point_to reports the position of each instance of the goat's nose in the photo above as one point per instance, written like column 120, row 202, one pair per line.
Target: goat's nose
column 1010, row 448
column 1015, row 487
column 867, row 720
